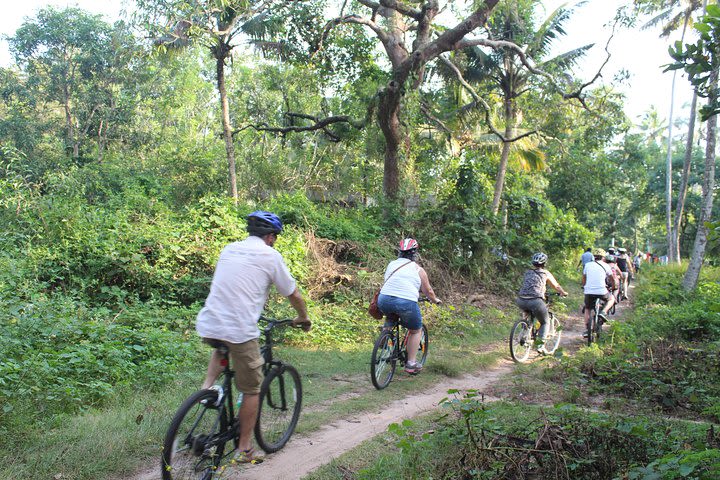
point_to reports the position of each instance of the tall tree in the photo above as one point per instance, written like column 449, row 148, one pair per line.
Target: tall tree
column 513, row 21
column 216, row 24
column 77, row 60
column 674, row 14
column 701, row 61
column 411, row 37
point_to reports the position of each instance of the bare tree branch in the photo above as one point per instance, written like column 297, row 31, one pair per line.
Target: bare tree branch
column 393, row 5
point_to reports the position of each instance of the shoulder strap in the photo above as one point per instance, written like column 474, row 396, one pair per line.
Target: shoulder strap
column 393, row 273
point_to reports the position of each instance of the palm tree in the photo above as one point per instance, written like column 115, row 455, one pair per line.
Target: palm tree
column 503, row 69
column 674, row 14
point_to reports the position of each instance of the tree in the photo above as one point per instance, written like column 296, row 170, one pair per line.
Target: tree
column 701, row 61
column 513, row 21
column 411, row 38
column 77, row 60
column 217, row 25
column 675, row 13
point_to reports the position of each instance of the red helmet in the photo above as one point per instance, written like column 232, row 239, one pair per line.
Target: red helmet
column 408, row 244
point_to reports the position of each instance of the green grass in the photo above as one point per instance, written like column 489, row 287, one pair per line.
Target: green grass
column 126, row 435
column 593, row 445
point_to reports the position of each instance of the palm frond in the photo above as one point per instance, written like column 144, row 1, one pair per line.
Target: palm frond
column 550, row 30
column 568, row 59
column 529, row 159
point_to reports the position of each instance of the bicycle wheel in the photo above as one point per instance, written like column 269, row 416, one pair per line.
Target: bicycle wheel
column 194, row 444
column 598, row 325
column 552, row 341
column 383, row 360
column 423, row 348
column 591, row 326
column 279, row 410
column 521, row 340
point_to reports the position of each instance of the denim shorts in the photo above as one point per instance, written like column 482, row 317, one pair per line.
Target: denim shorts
column 407, row 310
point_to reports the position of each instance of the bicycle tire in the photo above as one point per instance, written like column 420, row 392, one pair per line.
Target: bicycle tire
column 423, row 348
column 521, row 340
column 598, row 326
column 552, row 342
column 383, row 360
column 591, row 327
column 279, row 408
column 189, row 451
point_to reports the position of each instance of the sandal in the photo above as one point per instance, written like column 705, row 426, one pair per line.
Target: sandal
column 248, row 456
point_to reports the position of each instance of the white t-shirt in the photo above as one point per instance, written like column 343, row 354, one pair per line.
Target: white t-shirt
column 404, row 283
column 595, row 274
column 240, row 286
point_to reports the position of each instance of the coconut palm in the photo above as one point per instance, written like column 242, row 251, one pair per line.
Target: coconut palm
column 503, row 71
column 672, row 15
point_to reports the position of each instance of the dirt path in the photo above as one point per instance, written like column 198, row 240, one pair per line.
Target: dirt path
column 303, row 454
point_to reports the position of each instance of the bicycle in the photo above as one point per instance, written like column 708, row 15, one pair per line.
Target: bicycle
column 196, row 440
column 524, row 335
column 390, row 348
column 594, row 329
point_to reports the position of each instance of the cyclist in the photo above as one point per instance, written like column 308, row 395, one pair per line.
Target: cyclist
column 399, row 296
column 586, row 257
column 531, row 297
column 240, row 286
column 597, row 275
column 626, row 268
column 637, row 261
column 611, row 262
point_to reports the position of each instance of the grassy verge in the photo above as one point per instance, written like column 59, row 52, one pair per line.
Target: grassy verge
column 515, row 440
column 126, row 434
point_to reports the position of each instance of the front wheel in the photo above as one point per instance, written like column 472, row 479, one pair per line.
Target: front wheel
column 279, row 409
column 195, row 442
column 521, row 340
column 384, row 359
column 552, row 341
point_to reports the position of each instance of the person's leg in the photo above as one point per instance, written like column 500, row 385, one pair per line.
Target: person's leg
column 214, row 369
column 247, row 362
column 609, row 302
column 588, row 306
column 413, row 344
column 248, row 417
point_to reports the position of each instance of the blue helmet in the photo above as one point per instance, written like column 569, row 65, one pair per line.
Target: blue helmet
column 261, row 223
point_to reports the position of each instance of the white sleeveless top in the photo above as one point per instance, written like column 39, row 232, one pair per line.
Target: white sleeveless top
column 405, row 283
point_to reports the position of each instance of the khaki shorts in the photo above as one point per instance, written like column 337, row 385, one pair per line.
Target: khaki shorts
column 247, row 362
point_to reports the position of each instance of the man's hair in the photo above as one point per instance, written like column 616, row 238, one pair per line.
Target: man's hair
column 589, row 249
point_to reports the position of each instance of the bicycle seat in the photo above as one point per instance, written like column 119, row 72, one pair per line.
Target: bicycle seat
column 218, row 344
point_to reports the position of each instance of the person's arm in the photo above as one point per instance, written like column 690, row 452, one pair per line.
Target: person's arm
column 298, row 303
column 584, row 279
column 554, row 283
column 425, row 287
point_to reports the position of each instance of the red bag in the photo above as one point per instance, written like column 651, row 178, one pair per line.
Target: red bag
column 373, row 310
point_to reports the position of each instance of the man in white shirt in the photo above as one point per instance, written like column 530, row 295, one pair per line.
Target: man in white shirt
column 244, row 274
column 596, row 274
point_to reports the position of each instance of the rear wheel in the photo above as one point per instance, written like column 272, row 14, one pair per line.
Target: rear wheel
column 195, row 442
column 383, row 360
column 552, row 341
column 521, row 340
column 279, row 408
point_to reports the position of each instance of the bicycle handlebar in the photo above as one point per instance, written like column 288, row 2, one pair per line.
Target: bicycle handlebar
column 273, row 322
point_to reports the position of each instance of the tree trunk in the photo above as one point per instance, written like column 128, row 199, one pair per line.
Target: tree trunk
column 69, row 123
column 682, row 190
column 221, row 52
column 389, row 122
column 692, row 275
column 668, row 178
column 502, row 168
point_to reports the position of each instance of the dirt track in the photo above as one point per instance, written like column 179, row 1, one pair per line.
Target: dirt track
column 303, row 454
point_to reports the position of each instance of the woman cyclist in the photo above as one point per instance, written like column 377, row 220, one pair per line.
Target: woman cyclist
column 531, row 297
column 399, row 296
